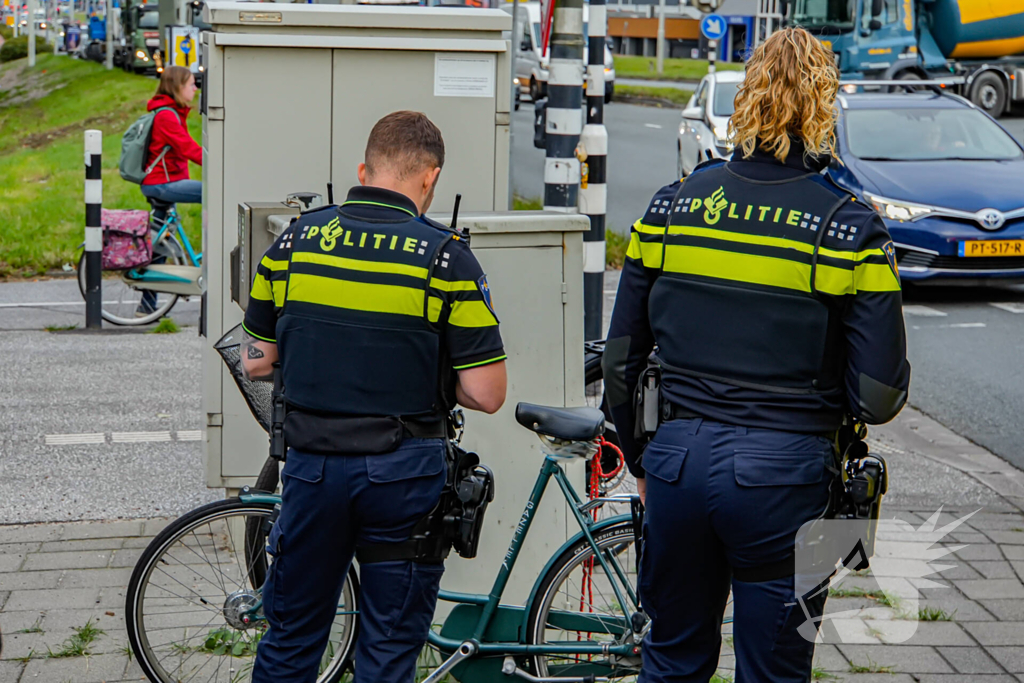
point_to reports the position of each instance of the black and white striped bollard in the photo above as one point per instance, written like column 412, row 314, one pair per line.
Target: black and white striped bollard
column 593, row 185
column 564, row 118
column 93, row 229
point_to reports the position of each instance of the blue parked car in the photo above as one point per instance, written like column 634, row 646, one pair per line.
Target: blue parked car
column 947, row 179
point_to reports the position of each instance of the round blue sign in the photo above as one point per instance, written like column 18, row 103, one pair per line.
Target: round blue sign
column 713, row 26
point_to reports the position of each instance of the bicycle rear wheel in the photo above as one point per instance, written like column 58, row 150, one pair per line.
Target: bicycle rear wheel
column 194, row 587
column 121, row 301
column 577, row 602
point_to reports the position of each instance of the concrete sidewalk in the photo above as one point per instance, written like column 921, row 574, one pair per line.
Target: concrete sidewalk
column 56, row 578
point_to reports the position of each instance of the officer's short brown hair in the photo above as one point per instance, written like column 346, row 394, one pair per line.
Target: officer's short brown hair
column 404, row 142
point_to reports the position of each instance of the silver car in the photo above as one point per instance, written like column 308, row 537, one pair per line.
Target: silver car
column 704, row 130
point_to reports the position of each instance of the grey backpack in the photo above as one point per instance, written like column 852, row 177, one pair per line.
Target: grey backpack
column 135, row 147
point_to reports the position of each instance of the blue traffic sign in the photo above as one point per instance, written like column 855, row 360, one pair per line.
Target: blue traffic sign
column 713, row 26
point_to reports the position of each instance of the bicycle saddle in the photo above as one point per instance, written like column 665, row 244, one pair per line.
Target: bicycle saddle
column 159, row 203
column 571, row 424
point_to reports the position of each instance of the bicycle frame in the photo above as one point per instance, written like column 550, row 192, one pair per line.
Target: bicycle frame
column 194, row 257
column 490, row 602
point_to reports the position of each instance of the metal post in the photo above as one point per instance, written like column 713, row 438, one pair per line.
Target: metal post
column 31, row 26
column 712, row 55
column 516, row 40
column 110, row 34
column 660, row 47
column 93, row 229
column 593, row 188
column 564, row 117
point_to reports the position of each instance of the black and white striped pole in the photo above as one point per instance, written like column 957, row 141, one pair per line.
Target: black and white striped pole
column 564, row 118
column 593, row 178
column 93, row 229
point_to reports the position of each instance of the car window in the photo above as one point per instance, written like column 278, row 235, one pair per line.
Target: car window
column 702, row 94
column 725, row 96
column 890, row 13
column 917, row 134
column 149, row 20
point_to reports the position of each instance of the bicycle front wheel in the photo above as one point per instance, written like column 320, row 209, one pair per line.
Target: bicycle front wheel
column 578, row 602
column 125, row 305
column 193, row 607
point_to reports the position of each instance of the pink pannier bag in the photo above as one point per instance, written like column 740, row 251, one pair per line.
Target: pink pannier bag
column 126, row 239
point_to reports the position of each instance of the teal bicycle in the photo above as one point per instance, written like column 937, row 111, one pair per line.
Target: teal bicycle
column 194, row 605
column 145, row 294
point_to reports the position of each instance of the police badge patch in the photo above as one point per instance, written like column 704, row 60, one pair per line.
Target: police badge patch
column 890, row 254
column 485, row 292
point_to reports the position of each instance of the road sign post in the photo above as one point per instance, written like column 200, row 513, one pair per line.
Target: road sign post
column 593, row 149
column 30, row 24
column 713, row 27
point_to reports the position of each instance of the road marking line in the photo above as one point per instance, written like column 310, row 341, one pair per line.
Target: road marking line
column 51, row 304
column 74, row 439
column 923, row 311
column 1010, row 307
column 958, row 325
column 653, row 125
column 139, row 437
column 190, row 435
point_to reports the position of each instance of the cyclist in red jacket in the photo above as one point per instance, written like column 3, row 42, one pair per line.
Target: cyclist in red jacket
column 168, row 181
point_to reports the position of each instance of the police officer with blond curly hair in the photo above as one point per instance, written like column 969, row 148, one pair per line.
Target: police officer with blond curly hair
column 774, row 301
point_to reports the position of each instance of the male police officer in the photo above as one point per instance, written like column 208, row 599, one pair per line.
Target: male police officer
column 382, row 319
column 774, row 301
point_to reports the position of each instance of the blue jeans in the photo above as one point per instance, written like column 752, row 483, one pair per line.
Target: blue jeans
column 178, row 192
column 721, row 497
column 331, row 504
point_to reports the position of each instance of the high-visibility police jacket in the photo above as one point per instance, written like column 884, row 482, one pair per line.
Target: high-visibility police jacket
column 373, row 308
column 773, row 298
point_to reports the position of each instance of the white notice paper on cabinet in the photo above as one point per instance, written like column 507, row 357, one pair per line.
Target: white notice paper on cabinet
column 464, row 75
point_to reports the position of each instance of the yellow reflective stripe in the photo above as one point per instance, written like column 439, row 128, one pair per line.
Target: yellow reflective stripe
column 357, row 296
column 453, row 286
column 649, row 229
column 249, row 332
column 271, row 264
column 280, row 287
column 875, row 277
column 471, row 314
column 434, row 309
column 727, row 265
column 851, row 255
column 832, row 280
column 781, row 242
column 356, row 264
column 261, row 289
column 648, row 252
column 726, row 236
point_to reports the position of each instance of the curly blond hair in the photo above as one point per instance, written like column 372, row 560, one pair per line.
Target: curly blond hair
column 789, row 90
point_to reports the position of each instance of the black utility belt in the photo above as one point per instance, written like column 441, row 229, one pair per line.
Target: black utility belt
column 347, row 435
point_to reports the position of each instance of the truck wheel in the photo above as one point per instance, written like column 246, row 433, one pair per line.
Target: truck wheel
column 534, row 90
column 989, row 94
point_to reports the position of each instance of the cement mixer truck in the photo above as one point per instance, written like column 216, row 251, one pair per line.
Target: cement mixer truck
column 979, row 43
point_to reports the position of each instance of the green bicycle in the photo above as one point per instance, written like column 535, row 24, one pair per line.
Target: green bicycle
column 194, row 604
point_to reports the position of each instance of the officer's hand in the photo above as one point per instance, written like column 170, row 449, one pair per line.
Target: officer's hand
column 641, row 489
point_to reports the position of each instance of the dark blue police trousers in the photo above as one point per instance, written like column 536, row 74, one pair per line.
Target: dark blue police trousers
column 330, row 505
column 721, row 497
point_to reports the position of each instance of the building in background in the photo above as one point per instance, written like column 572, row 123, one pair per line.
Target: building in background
column 633, row 28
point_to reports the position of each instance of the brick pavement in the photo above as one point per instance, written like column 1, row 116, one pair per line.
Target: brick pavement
column 57, row 577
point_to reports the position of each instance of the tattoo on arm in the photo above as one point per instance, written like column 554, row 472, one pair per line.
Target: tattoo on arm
column 253, row 352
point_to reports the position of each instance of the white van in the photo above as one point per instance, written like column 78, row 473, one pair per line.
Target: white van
column 531, row 68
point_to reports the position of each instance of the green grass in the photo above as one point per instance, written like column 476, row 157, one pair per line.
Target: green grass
column 669, row 97
column 820, row 674
column 78, row 644
column 524, row 204
column 675, row 69
column 855, row 592
column 934, row 614
column 870, row 668
column 41, row 148
column 166, row 326
column 60, row 328
column 34, row 628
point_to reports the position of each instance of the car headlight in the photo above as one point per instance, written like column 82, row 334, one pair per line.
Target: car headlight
column 722, row 137
column 139, row 54
column 897, row 209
